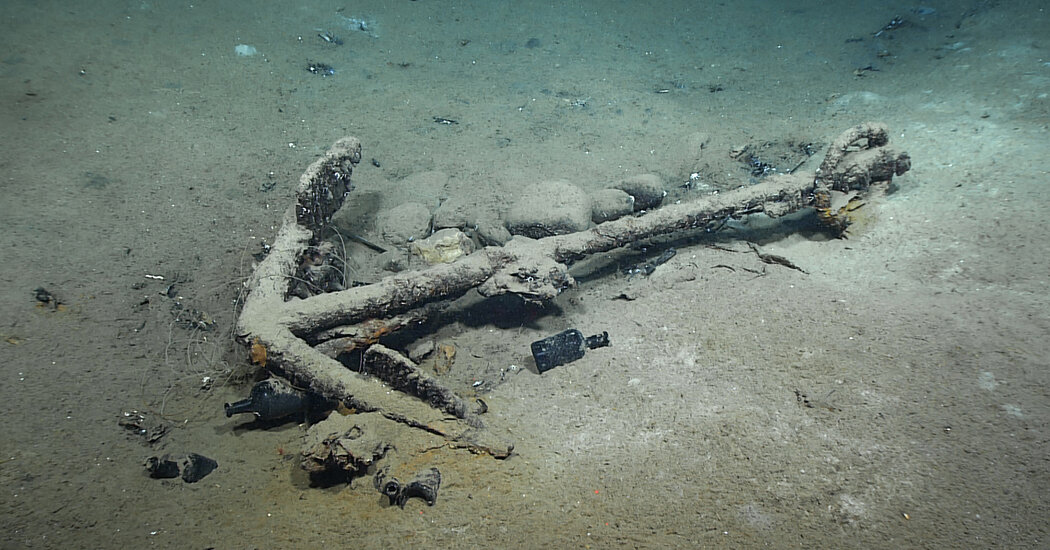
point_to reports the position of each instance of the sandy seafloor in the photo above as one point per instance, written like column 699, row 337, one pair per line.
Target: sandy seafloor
column 136, row 142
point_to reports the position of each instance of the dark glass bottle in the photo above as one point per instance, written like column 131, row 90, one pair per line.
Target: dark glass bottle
column 564, row 347
column 273, row 398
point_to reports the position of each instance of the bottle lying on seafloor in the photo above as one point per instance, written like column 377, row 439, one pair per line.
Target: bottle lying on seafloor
column 564, row 347
column 273, row 398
